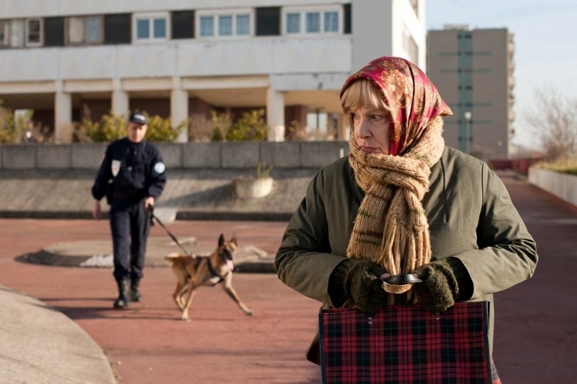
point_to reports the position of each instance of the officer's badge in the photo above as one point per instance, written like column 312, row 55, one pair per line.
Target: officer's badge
column 159, row 168
column 115, row 167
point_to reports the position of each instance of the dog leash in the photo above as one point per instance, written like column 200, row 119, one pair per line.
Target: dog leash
column 153, row 217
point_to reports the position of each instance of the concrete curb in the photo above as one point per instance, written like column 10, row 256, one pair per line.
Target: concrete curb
column 47, row 258
column 98, row 254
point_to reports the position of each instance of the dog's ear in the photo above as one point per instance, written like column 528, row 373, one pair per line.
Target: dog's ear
column 233, row 240
column 221, row 240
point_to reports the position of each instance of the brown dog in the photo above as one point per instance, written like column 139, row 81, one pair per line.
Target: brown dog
column 194, row 271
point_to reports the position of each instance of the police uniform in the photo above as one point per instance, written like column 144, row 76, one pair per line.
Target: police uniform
column 130, row 172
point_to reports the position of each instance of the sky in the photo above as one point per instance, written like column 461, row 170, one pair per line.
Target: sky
column 545, row 45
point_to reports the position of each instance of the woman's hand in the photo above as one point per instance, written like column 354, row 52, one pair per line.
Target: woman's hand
column 363, row 285
column 439, row 288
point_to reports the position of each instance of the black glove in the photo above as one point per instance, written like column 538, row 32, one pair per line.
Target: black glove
column 363, row 286
column 439, row 288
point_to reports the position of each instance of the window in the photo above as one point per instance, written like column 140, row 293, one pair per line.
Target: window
column 267, row 21
column 224, row 24
column 242, row 25
column 206, row 26
column 84, row 30
column 313, row 21
column 22, row 32
column 54, row 31
column 4, row 32
column 33, row 32
column 17, row 33
column 182, row 24
column 151, row 27
column 93, row 29
column 331, row 22
column 293, row 23
column 117, row 28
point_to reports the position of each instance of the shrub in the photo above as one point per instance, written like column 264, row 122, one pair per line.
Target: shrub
column 296, row 132
column 250, row 127
column 161, row 130
column 13, row 128
column 109, row 128
column 221, row 123
column 566, row 165
column 112, row 127
column 200, row 128
column 263, row 172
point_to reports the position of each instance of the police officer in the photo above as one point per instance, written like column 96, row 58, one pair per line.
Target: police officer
column 132, row 177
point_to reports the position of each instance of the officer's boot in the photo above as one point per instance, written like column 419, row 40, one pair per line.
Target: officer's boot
column 135, row 294
column 123, row 300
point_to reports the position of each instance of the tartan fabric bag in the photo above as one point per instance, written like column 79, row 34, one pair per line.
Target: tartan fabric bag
column 404, row 344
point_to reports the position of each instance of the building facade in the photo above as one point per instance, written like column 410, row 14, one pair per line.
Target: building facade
column 473, row 70
column 183, row 58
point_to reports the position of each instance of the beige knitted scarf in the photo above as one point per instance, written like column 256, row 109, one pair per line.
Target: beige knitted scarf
column 391, row 227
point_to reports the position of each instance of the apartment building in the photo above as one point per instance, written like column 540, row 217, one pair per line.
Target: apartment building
column 473, row 70
column 183, row 58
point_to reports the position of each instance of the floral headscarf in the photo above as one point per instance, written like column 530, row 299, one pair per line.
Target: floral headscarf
column 397, row 79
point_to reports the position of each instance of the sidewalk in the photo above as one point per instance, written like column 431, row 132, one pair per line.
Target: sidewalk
column 535, row 337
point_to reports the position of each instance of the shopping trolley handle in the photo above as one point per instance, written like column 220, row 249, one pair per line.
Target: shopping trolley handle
column 409, row 278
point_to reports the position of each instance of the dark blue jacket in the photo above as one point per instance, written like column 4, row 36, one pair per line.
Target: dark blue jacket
column 130, row 172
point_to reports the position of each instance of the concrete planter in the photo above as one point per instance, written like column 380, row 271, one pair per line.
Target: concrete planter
column 251, row 187
column 562, row 185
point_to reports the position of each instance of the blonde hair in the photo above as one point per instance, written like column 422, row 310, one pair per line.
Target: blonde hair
column 362, row 93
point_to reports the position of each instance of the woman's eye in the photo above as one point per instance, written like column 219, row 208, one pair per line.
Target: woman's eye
column 377, row 118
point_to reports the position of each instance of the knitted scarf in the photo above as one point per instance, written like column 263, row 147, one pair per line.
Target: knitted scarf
column 391, row 227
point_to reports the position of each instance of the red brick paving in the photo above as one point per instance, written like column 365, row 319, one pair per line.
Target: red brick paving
column 149, row 343
column 536, row 322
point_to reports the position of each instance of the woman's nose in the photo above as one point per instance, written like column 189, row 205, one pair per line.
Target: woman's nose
column 364, row 128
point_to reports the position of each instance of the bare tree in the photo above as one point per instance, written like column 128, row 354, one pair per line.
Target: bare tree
column 554, row 122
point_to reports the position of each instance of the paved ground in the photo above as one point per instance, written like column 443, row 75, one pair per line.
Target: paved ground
column 536, row 322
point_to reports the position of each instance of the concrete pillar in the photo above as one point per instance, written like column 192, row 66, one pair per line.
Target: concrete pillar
column 62, row 116
column 275, row 115
column 120, row 99
column 343, row 130
column 179, row 109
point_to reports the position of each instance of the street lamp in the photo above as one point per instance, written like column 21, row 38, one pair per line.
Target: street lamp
column 468, row 132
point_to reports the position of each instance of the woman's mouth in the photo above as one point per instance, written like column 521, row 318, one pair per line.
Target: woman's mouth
column 368, row 149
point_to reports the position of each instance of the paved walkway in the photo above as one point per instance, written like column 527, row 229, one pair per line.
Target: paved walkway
column 536, row 322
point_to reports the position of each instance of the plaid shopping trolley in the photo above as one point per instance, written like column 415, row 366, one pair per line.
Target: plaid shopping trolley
column 404, row 344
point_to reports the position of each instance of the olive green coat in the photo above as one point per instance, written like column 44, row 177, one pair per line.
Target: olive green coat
column 470, row 214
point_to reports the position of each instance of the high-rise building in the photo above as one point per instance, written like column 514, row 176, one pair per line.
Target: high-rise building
column 473, row 70
column 184, row 58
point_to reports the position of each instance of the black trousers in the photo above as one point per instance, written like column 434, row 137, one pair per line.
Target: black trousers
column 130, row 225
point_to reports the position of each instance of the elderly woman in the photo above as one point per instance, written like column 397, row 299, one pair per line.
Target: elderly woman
column 403, row 202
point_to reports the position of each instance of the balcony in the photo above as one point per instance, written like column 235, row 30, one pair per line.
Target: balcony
column 256, row 56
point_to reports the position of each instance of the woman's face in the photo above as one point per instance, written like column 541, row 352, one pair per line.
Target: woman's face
column 371, row 129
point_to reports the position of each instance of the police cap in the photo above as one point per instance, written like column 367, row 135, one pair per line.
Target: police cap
column 137, row 117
